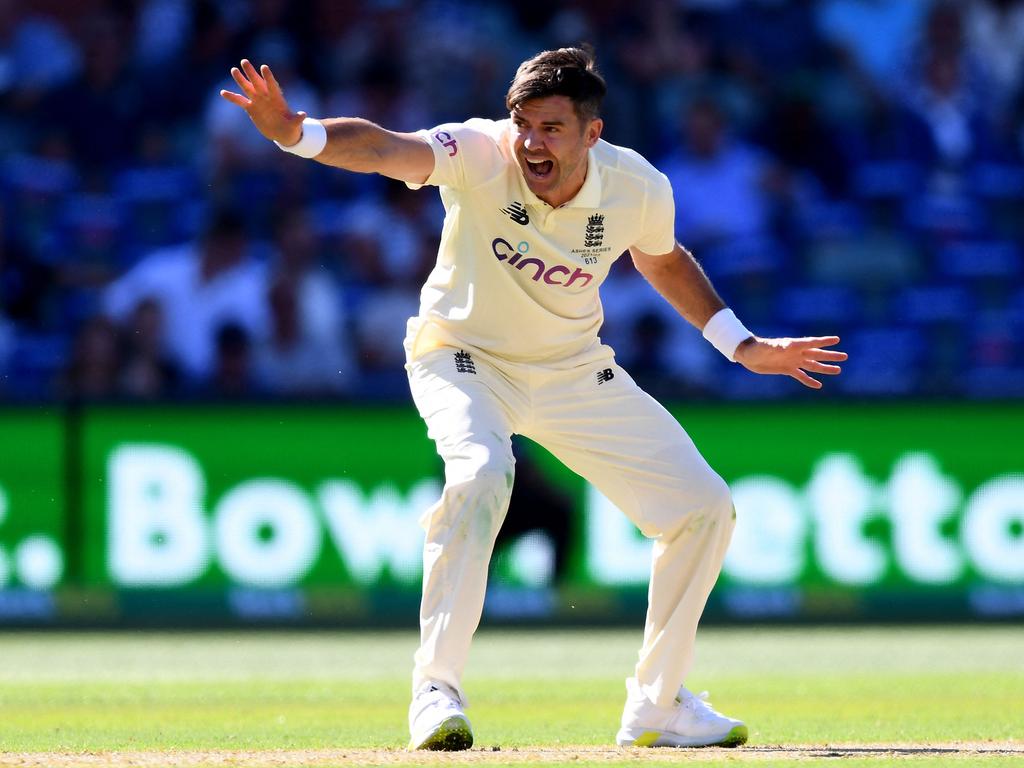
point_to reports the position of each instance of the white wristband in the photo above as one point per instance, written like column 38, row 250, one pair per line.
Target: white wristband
column 312, row 141
column 726, row 332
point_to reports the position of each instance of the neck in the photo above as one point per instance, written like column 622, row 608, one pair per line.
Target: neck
column 556, row 201
column 567, row 191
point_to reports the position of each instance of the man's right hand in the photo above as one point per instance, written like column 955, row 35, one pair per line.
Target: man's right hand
column 264, row 102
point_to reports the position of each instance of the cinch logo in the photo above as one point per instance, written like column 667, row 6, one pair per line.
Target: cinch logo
column 448, row 142
column 513, row 256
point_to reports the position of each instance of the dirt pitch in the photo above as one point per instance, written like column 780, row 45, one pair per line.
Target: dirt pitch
column 970, row 752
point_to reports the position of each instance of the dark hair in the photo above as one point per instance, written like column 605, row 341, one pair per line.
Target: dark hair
column 224, row 221
column 568, row 72
column 231, row 338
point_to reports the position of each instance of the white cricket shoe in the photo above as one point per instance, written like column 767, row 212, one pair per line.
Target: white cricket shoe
column 436, row 720
column 691, row 722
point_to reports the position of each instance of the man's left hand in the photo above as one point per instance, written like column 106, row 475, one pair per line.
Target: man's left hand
column 791, row 357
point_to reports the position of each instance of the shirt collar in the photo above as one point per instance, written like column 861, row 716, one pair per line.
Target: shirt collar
column 589, row 195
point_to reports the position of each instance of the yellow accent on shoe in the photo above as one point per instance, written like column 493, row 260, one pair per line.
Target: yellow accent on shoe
column 735, row 737
column 453, row 735
column 646, row 739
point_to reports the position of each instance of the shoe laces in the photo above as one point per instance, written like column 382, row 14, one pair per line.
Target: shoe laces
column 698, row 704
column 435, row 696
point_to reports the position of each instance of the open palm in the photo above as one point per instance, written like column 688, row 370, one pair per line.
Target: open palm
column 792, row 357
column 264, row 102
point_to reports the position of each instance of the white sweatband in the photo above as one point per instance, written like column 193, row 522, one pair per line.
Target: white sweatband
column 726, row 332
column 312, row 141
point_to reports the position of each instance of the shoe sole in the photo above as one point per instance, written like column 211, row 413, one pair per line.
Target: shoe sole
column 452, row 735
column 638, row 737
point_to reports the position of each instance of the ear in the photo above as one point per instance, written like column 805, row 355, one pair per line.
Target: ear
column 593, row 132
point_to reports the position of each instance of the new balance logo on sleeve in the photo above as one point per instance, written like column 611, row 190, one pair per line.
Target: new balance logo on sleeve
column 606, row 375
column 464, row 363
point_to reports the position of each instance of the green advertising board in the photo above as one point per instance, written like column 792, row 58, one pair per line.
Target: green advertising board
column 858, row 510
column 32, row 512
column 311, row 513
column 288, row 512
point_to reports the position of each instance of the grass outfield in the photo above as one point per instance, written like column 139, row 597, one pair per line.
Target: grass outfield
column 873, row 697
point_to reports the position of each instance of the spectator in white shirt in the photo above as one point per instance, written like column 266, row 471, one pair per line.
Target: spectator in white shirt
column 199, row 287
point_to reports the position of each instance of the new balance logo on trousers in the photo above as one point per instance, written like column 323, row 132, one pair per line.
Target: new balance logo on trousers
column 606, row 375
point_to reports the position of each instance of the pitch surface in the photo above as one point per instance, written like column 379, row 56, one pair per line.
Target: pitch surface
column 866, row 697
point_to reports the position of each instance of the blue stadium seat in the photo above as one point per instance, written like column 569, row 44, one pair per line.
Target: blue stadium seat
column 806, row 305
column 969, row 259
column 35, row 362
column 926, row 304
column 883, row 361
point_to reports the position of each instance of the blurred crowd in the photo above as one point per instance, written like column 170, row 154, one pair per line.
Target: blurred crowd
column 839, row 166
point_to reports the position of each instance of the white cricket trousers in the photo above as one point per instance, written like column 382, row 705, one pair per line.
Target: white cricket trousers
column 600, row 424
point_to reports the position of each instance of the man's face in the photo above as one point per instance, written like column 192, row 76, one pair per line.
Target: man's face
column 551, row 146
column 704, row 128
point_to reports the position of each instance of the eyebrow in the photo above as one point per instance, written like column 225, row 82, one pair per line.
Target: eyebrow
column 518, row 116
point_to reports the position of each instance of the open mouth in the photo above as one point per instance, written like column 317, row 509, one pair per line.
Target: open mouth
column 540, row 169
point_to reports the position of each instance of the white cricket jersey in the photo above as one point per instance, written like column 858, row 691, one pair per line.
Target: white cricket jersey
column 516, row 278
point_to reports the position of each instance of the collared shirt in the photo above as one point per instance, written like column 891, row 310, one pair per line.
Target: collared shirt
column 516, row 278
column 193, row 307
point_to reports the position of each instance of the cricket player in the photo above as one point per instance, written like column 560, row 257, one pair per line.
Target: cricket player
column 506, row 341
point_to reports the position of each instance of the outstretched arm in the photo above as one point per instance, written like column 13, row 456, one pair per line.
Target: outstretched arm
column 679, row 279
column 352, row 143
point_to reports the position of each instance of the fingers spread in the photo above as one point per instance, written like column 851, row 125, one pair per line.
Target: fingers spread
column 825, row 354
column 814, row 365
column 244, row 84
column 236, row 98
column 806, row 380
column 816, row 341
column 254, row 77
column 269, row 77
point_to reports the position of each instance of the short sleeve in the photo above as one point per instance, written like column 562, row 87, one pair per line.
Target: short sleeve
column 657, row 236
column 465, row 154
